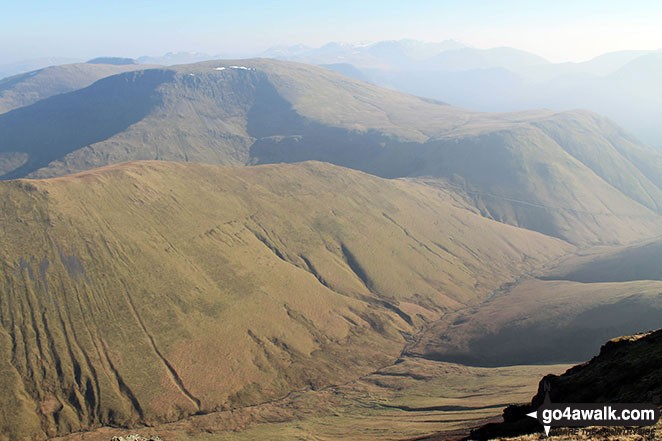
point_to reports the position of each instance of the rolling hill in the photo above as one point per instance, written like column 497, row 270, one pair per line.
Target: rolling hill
column 9, row 69
column 27, row 88
column 570, row 175
column 145, row 292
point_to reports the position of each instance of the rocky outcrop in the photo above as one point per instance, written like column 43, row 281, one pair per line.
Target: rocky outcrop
column 627, row 370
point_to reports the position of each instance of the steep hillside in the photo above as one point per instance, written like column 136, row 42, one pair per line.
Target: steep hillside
column 28, row 88
column 571, row 175
column 146, row 292
column 625, row 371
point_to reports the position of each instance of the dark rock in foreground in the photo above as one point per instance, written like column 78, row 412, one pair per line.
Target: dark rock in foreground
column 627, row 370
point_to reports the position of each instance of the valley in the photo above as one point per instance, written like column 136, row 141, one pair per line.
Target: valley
column 306, row 297
column 406, row 400
column 151, row 285
column 259, row 249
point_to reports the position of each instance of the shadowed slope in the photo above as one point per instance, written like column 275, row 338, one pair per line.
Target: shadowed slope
column 640, row 262
column 28, row 88
column 562, row 313
column 539, row 322
column 64, row 123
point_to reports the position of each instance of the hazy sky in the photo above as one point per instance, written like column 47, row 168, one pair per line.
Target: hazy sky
column 559, row 30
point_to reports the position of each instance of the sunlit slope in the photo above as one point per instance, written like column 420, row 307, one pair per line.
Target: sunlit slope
column 611, row 153
column 403, row 401
column 148, row 291
column 572, row 175
column 206, row 112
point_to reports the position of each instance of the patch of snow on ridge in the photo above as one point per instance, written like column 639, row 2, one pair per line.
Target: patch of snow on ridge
column 235, row 67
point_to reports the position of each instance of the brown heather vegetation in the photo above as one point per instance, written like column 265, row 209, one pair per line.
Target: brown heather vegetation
column 405, row 400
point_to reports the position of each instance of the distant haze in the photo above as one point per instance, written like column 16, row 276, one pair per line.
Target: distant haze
column 558, row 31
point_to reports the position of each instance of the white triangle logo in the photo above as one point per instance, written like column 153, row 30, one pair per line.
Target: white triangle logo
column 535, row 415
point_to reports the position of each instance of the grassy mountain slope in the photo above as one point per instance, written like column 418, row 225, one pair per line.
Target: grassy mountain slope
column 571, row 175
column 413, row 397
column 611, row 154
column 28, row 88
column 145, row 292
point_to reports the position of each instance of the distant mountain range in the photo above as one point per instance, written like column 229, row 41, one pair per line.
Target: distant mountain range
column 570, row 175
column 384, row 54
column 172, row 58
column 621, row 85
